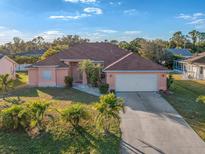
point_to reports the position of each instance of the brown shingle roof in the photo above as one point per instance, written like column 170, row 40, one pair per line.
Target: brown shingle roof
column 114, row 57
column 94, row 51
column 134, row 62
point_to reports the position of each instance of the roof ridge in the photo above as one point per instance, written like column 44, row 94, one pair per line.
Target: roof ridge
column 118, row 60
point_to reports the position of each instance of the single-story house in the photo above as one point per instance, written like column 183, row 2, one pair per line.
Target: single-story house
column 123, row 70
column 183, row 53
column 194, row 67
column 7, row 66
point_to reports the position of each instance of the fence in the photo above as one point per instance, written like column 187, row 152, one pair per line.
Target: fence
column 22, row 67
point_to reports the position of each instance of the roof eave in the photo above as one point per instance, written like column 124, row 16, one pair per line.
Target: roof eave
column 140, row 71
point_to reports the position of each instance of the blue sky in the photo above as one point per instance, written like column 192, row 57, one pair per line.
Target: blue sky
column 99, row 19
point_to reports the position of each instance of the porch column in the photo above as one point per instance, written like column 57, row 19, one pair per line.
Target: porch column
column 84, row 78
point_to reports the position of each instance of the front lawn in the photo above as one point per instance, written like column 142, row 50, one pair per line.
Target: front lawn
column 59, row 136
column 183, row 99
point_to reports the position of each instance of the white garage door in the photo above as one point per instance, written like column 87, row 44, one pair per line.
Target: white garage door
column 136, row 82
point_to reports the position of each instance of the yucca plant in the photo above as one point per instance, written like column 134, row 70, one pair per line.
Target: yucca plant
column 74, row 114
column 108, row 108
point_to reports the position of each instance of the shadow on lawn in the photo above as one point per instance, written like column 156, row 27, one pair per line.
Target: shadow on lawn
column 55, row 93
column 82, row 142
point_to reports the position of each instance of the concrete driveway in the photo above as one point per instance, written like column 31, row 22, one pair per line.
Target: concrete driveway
column 150, row 125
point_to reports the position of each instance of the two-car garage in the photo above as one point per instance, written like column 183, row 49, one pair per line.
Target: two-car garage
column 136, row 82
column 134, row 73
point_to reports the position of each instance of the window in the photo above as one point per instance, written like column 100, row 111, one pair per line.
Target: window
column 201, row 70
column 46, row 75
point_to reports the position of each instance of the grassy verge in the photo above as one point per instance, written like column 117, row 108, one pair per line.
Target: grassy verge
column 183, row 99
column 59, row 136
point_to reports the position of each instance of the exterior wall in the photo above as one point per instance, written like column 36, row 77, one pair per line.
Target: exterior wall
column 162, row 79
column 60, row 76
column 7, row 67
column 193, row 72
column 33, row 76
column 57, row 76
column 47, row 83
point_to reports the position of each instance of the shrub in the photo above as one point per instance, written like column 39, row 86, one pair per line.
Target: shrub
column 28, row 116
column 103, row 88
column 73, row 114
column 108, row 107
column 92, row 72
column 200, row 99
column 68, row 81
column 170, row 81
column 10, row 119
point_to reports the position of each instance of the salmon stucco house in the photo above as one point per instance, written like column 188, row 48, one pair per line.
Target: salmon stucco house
column 7, row 66
column 122, row 70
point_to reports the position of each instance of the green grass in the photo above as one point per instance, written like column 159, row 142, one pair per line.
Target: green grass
column 59, row 137
column 183, row 99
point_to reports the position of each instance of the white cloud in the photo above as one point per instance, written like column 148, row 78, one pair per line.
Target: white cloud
column 89, row 11
column 115, row 3
column 131, row 12
column 7, row 34
column 51, row 35
column 75, row 17
column 81, row 1
column 93, row 10
column 132, row 32
column 196, row 19
column 109, row 31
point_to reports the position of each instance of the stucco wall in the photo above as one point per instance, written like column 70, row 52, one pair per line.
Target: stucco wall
column 162, row 79
column 57, row 76
column 33, row 76
column 47, row 83
column 7, row 67
column 60, row 76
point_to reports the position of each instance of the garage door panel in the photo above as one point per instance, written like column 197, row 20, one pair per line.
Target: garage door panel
column 136, row 82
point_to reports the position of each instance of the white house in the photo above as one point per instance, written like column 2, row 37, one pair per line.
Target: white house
column 194, row 67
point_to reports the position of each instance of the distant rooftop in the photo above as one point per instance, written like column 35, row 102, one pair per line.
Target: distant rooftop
column 31, row 53
column 197, row 59
column 180, row 52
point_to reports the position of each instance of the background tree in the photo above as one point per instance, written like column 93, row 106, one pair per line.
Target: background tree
column 53, row 50
column 178, row 39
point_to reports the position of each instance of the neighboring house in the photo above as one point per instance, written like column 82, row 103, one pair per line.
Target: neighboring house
column 181, row 54
column 123, row 70
column 7, row 66
column 194, row 67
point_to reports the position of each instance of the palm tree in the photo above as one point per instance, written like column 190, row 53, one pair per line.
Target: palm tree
column 6, row 82
column 108, row 107
column 74, row 114
column 194, row 35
